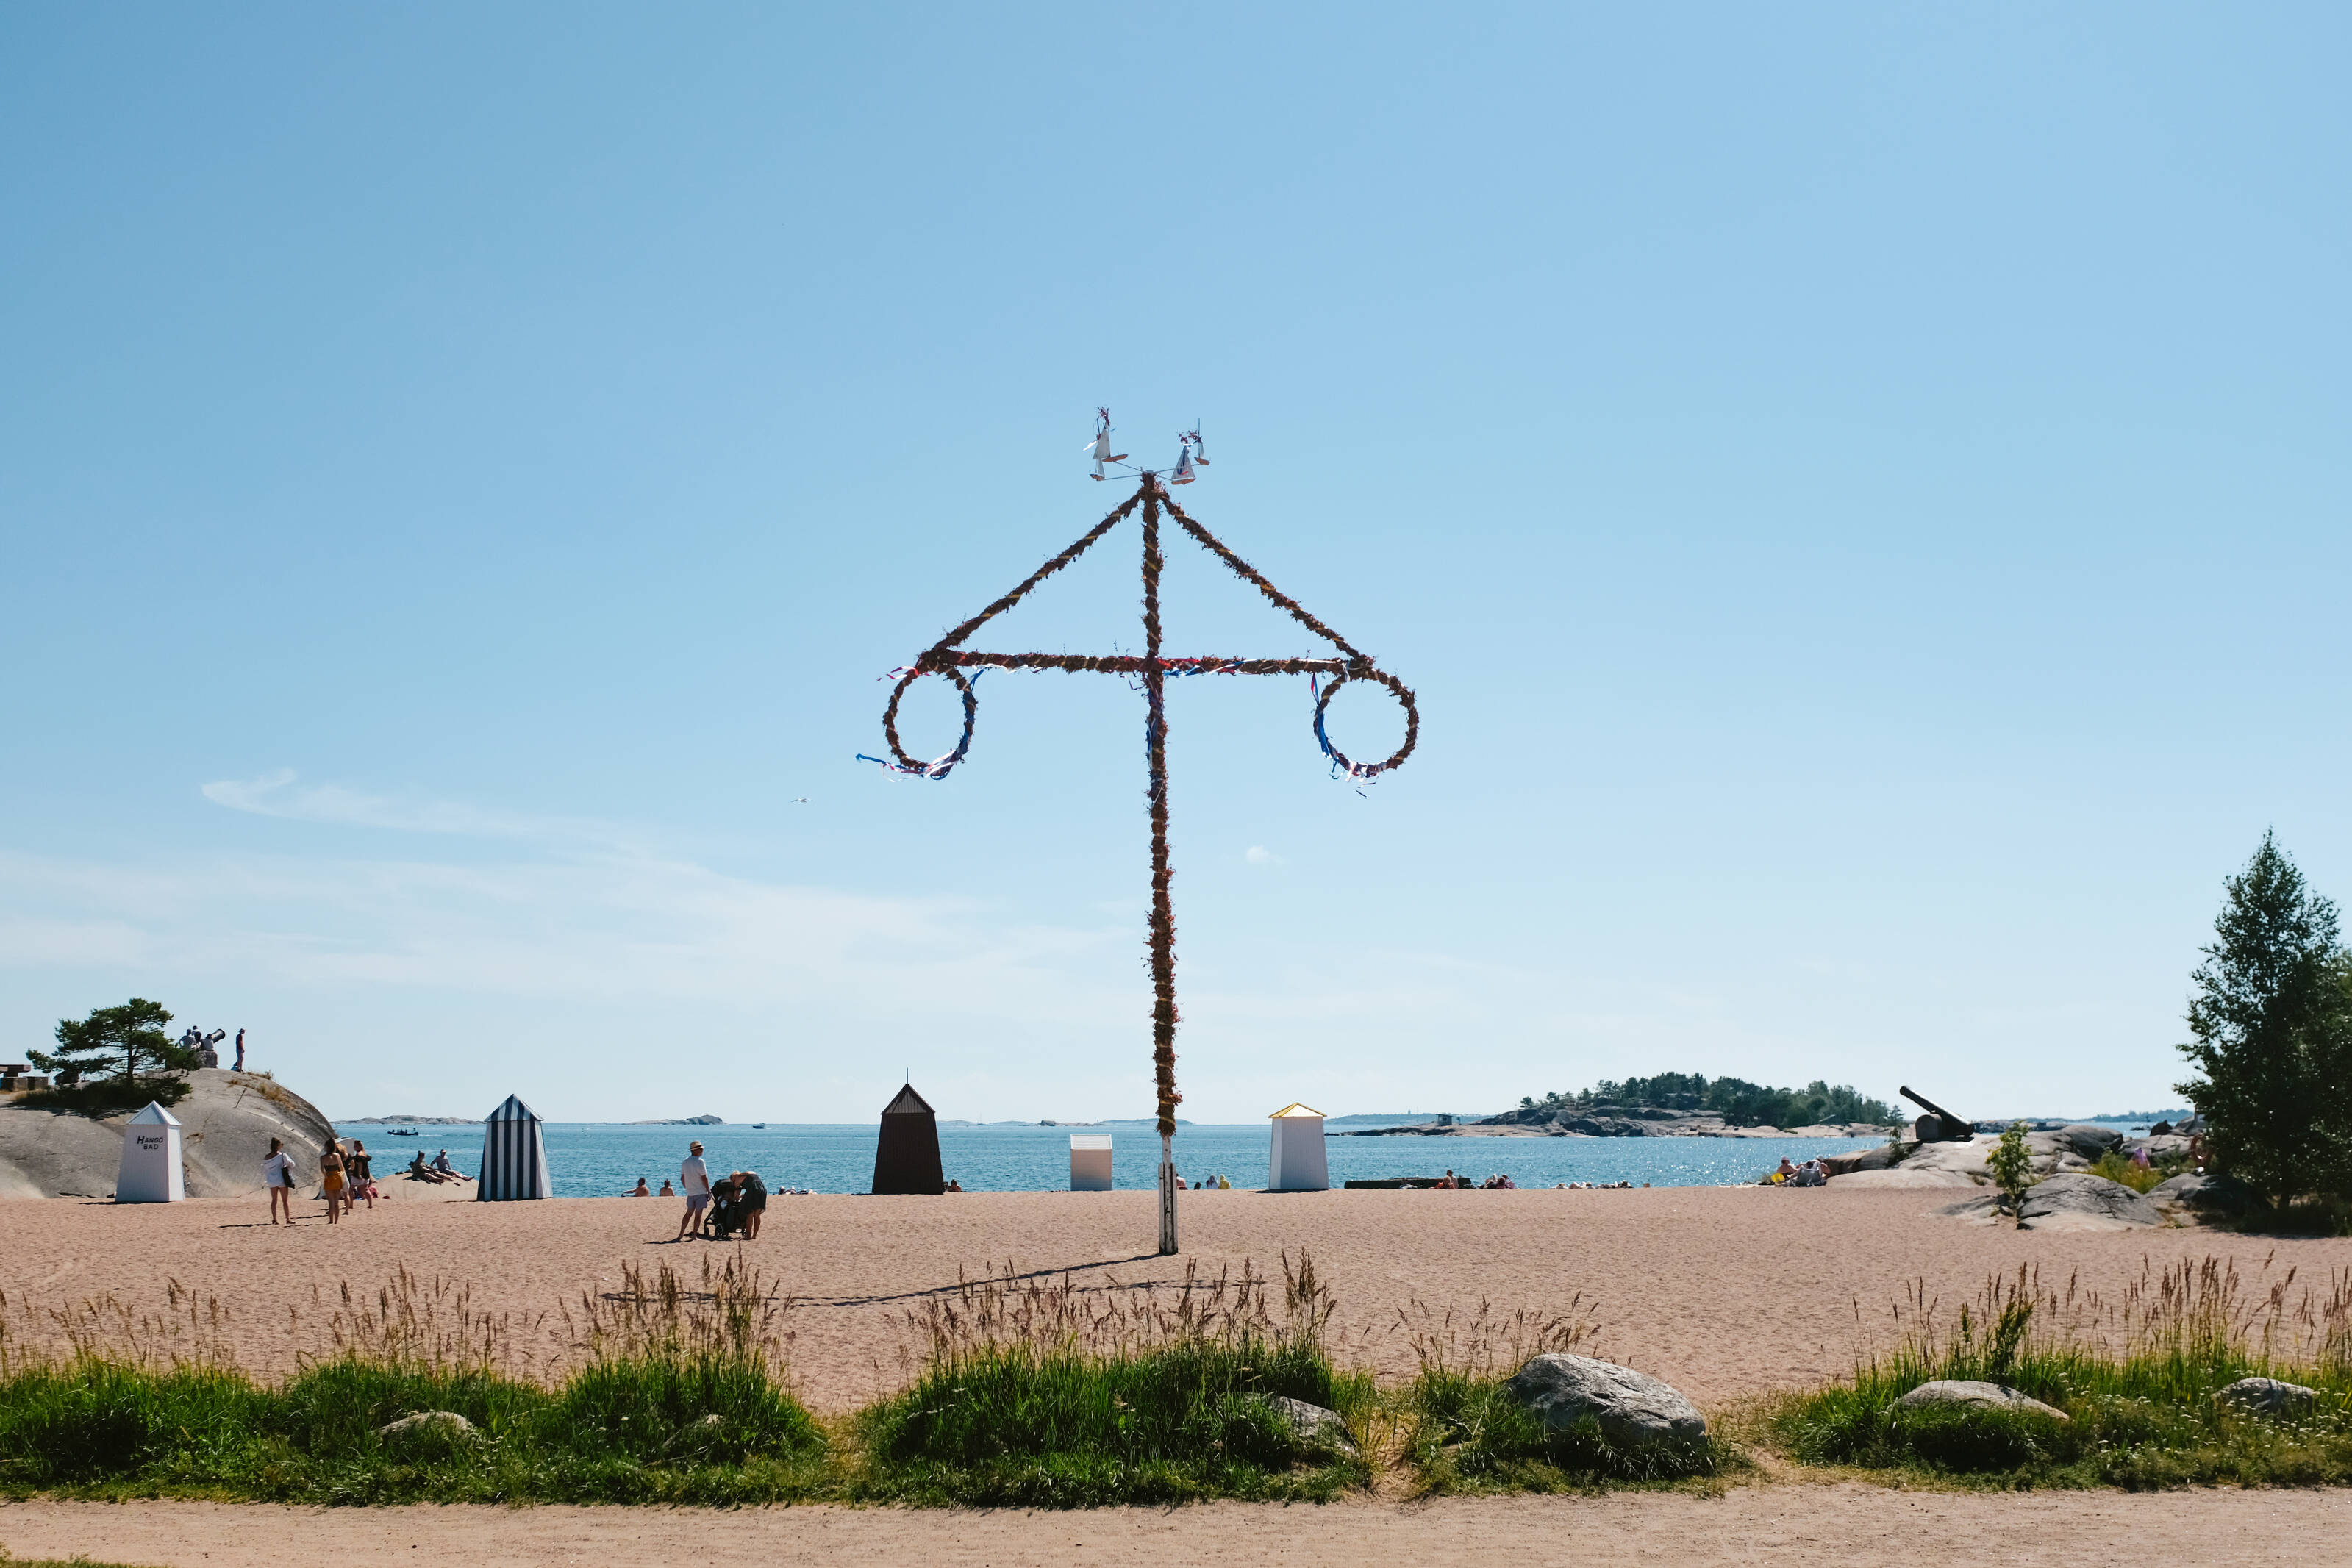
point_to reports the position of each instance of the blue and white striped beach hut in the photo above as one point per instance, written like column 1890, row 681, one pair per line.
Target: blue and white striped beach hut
column 514, row 1155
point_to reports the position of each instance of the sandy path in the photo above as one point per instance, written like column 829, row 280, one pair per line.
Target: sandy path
column 1724, row 1292
column 1762, row 1526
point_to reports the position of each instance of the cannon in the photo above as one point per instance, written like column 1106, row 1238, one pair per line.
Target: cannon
column 1938, row 1125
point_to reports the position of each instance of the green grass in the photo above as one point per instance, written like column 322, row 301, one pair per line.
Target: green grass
column 618, row 1431
column 1013, row 1426
column 2141, row 1417
column 1036, row 1394
column 2118, row 1166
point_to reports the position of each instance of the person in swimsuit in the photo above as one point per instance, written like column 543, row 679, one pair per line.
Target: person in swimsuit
column 332, row 1179
column 361, row 1167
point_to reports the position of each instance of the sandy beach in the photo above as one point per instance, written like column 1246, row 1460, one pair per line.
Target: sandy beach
column 1724, row 1291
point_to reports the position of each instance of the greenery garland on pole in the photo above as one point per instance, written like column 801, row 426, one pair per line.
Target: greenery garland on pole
column 948, row 659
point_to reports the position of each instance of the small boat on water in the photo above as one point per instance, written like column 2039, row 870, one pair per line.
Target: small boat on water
column 400, row 1132
column 759, row 1126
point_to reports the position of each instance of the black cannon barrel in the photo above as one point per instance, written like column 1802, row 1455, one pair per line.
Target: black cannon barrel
column 1923, row 1102
column 1955, row 1127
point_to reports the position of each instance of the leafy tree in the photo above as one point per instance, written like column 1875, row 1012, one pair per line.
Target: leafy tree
column 2011, row 1165
column 2273, row 1020
column 134, row 1032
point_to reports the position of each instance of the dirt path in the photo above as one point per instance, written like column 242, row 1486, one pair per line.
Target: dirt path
column 1793, row 1524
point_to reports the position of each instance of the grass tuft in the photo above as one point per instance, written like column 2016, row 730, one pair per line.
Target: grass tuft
column 2137, row 1379
column 677, row 1394
column 1466, row 1434
column 1046, row 1394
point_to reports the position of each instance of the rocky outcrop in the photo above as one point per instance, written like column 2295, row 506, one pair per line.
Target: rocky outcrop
column 2268, row 1397
column 2076, row 1202
column 1886, row 1157
column 1971, row 1393
column 228, row 1117
column 1632, row 1408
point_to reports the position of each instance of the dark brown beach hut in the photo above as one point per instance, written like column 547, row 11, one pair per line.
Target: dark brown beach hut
column 907, row 1156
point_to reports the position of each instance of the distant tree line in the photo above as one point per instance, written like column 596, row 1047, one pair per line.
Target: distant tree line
column 1740, row 1103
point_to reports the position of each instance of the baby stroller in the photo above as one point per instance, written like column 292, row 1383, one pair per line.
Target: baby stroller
column 726, row 1210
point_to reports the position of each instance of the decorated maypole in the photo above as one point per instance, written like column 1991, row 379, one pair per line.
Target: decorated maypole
column 948, row 659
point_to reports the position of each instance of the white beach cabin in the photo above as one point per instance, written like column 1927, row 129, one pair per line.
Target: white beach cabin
column 150, row 1170
column 1089, row 1161
column 1296, row 1163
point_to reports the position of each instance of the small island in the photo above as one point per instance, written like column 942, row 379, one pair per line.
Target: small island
column 1669, row 1106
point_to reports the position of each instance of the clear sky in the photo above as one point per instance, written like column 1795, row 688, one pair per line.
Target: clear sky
column 1860, row 494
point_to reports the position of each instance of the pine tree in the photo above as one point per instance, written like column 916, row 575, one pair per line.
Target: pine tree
column 2273, row 1018
column 87, row 1049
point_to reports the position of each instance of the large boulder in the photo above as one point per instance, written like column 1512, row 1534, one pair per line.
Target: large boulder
column 2087, row 1141
column 434, row 1423
column 1312, row 1424
column 1977, row 1395
column 2207, row 1194
column 1633, row 1409
column 2072, row 1201
column 229, row 1119
column 2268, row 1397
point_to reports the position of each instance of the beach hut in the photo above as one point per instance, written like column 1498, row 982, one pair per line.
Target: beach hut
column 514, row 1155
column 151, row 1172
column 1295, row 1162
column 906, row 1154
column 1089, row 1161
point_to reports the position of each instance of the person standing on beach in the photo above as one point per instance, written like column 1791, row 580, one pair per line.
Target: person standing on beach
column 361, row 1167
column 240, row 1050
column 330, row 1177
column 278, row 1175
column 752, row 1194
column 694, row 1181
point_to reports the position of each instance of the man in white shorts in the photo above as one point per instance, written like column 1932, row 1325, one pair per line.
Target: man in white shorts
column 694, row 1181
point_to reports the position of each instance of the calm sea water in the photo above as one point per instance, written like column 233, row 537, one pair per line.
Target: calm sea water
column 593, row 1159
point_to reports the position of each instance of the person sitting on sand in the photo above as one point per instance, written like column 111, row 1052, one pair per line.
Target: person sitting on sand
column 667, row 1190
column 1179, row 1184
column 1223, row 1183
column 1448, row 1181
column 955, row 1185
column 640, row 1190
column 1786, row 1170
column 1508, row 1185
column 441, row 1163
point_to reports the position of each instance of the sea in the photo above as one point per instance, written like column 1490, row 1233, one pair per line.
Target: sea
column 601, row 1158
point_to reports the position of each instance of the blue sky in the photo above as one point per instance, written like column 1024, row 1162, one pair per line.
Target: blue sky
column 1859, row 491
